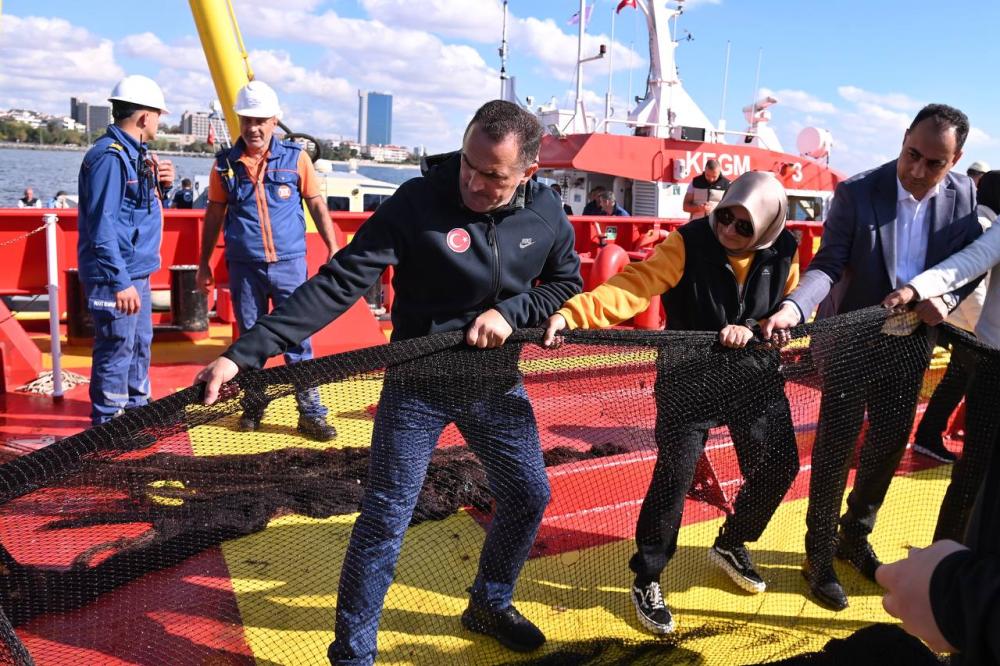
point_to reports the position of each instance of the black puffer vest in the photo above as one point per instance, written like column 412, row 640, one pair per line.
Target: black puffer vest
column 708, row 297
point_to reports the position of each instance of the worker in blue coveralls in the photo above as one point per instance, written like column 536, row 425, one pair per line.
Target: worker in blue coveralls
column 121, row 222
column 255, row 194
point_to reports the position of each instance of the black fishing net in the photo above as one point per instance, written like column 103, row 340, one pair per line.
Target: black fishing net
column 170, row 537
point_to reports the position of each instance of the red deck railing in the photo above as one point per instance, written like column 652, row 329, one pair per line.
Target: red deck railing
column 23, row 272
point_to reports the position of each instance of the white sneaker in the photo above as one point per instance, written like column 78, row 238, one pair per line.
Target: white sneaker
column 736, row 562
column 653, row 614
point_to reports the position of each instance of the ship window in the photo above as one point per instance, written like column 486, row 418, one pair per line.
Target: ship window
column 373, row 201
column 805, row 208
column 338, row 203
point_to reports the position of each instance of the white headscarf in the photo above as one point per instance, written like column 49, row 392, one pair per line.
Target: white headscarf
column 766, row 201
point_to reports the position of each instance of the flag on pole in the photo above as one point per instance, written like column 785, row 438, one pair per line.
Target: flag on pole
column 211, row 134
column 623, row 4
column 575, row 18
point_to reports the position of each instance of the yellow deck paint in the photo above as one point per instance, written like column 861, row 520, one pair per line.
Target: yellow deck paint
column 286, row 590
column 285, row 578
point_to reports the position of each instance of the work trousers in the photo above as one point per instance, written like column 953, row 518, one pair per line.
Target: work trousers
column 750, row 400
column 949, row 392
column 498, row 424
column 119, row 377
column 252, row 284
column 880, row 374
column 982, row 432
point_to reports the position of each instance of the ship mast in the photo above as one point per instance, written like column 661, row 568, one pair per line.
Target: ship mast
column 504, row 88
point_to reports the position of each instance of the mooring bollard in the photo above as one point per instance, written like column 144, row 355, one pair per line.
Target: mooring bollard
column 79, row 323
column 188, row 304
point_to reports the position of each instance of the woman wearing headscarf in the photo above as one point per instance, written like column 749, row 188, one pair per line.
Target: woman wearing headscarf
column 724, row 273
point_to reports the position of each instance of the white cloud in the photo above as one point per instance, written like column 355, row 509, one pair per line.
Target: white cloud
column 399, row 49
column 867, row 128
column 897, row 101
column 277, row 69
column 480, row 21
column 799, row 100
column 184, row 54
column 246, row 6
column 185, row 90
column 435, row 85
column 48, row 60
column 473, row 20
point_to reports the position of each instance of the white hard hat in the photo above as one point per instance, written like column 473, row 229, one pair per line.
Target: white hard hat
column 257, row 100
column 981, row 167
column 141, row 90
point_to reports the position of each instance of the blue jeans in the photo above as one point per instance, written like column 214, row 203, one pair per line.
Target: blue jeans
column 119, row 377
column 499, row 426
column 251, row 285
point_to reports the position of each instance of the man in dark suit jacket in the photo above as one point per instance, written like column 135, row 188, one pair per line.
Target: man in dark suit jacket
column 884, row 227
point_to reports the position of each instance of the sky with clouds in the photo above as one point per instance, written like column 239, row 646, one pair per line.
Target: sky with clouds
column 860, row 68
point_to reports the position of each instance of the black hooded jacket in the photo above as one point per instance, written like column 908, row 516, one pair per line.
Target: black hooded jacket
column 451, row 265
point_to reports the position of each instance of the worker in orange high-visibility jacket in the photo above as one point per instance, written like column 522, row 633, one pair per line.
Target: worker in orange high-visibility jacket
column 255, row 195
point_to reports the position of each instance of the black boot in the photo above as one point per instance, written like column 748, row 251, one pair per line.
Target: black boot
column 857, row 552
column 316, row 428
column 824, row 585
column 249, row 422
column 512, row 629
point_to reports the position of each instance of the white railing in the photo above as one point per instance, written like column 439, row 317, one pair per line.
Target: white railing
column 603, row 124
column 52, row 264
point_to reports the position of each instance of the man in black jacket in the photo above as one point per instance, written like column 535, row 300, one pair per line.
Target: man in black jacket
column 477, row 246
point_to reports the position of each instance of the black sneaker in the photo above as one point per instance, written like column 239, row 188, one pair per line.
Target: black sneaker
column 510, row 628
column 649, row 607
column 934, row 449
column 316, row 428
column 825, row 586
column 736, row 562
column 859, row 554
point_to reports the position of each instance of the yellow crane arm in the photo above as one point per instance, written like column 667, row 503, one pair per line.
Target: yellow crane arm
column 225, row 53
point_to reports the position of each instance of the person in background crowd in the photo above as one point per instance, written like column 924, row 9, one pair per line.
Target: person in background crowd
column 976, row 171
column 876, row 238
column 184, row 197
column 452, row 236
column 58, row 201
column 29, row 200
column 743, row 242
column 705, row 191
column 255, row 193
column 121, row 220
column 558, row 190
column 608, row 205
column 593, row 206
column 952, row 387
column 984, row 385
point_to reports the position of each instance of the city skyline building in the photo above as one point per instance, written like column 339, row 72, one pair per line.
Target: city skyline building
column 195, row 123
column 92, row 116
column 374, row 118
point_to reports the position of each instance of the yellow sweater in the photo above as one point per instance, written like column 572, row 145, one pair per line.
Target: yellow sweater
column 630, row 292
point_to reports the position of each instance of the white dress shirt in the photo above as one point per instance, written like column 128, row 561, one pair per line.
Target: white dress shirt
column 912, row 232
column 961, row 268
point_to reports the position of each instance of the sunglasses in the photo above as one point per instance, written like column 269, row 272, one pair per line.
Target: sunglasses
column 725, row 217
